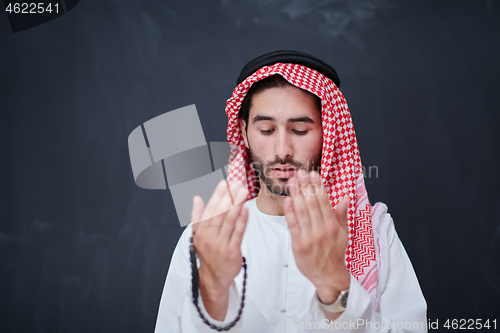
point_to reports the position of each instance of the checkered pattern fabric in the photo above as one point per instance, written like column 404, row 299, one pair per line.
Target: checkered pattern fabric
column 341, row 169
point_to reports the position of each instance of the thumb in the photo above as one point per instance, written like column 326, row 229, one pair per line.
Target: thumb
column 197, row 212
column 341, row 212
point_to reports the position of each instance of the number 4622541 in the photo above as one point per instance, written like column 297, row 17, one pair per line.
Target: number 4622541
column 31, row 8
column 471, row 324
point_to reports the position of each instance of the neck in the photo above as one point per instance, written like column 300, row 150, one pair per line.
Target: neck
column 269, row 203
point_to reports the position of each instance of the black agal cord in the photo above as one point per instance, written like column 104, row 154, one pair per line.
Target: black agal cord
column 196, row 282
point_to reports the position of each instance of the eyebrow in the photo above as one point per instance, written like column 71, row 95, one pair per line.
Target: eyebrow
column 301, row 120
column 291, row 120
column 262, row 118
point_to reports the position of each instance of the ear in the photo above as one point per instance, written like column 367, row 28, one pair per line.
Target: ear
column 242, row 124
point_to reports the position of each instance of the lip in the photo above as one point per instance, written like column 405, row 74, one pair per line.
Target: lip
column 284, row 171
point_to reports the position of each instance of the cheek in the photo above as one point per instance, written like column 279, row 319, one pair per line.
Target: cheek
column 312, row 146
column 260, row 145
column 319, row 143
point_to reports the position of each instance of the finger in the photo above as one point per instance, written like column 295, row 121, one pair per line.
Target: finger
column 236, row 186
column 212, row 207
column 341, row 212
column 300, row 209
column 292, row 185
column 239, row 229
column 197, row 211
column 303, row 178
column 291, row 218
column 310, row 193
column 229, row 221
column 196, row 214
column 223, row 207
column 324, row 203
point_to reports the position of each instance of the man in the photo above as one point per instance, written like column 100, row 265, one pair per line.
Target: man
column 319, row 257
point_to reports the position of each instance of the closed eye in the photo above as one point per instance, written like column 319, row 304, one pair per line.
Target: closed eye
column 266, row 132
column 299, row 132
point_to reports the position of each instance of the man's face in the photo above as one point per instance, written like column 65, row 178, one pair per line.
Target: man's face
column 284, row 135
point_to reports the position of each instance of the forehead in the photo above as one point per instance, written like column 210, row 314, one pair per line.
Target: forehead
column 283, row 103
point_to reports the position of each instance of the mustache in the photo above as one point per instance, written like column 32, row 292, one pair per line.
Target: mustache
column 287, row 160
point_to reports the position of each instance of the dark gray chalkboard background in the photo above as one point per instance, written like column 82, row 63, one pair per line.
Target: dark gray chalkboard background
column 83, row 249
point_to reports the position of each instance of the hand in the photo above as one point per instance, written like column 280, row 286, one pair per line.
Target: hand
column 217, row 240
column 319, row 235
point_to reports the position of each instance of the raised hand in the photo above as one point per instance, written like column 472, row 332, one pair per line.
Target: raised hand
column 218, row 231
column 319, row 235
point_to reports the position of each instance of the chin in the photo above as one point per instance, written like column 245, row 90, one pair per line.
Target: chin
column 278, row 186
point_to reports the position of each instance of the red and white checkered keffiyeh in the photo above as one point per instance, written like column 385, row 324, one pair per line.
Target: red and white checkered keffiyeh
column 341, row 170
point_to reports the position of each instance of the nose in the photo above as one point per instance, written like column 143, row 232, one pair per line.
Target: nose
column 283, row 147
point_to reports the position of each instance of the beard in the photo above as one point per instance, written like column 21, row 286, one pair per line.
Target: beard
column 278, row 186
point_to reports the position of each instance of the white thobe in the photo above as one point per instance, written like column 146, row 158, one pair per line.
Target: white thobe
column 279, row 298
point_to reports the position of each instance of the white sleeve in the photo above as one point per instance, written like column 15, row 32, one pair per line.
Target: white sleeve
column 402, row 306
column 177, row 312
